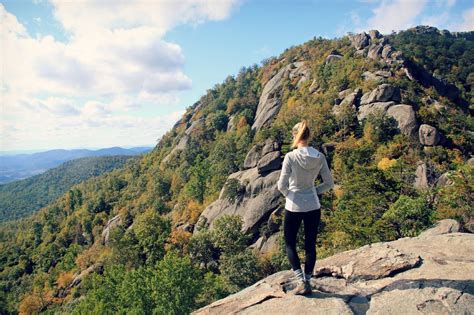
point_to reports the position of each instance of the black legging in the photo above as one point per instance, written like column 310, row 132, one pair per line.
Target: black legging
column 291, row 226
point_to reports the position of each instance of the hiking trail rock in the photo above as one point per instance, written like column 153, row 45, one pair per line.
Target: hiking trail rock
column 427, row 274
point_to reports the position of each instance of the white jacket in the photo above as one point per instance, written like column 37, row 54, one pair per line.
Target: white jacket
column 299, row 171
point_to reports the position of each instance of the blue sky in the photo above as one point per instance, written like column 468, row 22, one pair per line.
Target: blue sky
column 105, row 73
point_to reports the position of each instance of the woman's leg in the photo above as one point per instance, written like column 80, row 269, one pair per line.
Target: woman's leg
column 311, row 223
column 291, row 226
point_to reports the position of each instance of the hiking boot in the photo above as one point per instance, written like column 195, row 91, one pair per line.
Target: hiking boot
column 302, row 287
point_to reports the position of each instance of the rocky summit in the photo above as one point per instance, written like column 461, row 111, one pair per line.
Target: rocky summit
column 431, row 273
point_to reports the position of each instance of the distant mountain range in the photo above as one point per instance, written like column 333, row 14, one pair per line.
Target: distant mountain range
column 23, row 197
column 21, row 166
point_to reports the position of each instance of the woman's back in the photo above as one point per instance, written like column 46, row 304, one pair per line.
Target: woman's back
column 299, row 172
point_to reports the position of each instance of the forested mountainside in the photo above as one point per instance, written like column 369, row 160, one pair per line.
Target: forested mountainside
column 21, row 198
column 199, row 217
column 21, row 166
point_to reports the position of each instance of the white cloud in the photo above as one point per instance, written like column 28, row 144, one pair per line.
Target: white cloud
column 445, row 3
column 114, row 61
column 394, row 15
column 436, row 20
column 467, row 23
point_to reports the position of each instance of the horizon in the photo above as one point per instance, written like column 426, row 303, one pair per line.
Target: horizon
column 136, row 93
column 32, row 151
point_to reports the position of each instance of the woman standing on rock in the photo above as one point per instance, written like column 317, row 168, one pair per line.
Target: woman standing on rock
column 299, row 171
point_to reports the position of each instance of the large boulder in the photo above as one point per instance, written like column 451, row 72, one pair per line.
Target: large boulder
column 382, row 93
column 427, row 274
column 405, row 117
column 387, row 51
column 428, row 135
column 372, row 108
column 374, row 34
column 332, row 58
column 372, row 261
column 269, row 162
column 375, row 51
column 270, row 100
column 360, row 41
column 258, row 151
column 259, row 197
column 425, row 175
column 267, row 245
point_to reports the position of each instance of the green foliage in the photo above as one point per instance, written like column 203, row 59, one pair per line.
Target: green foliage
column 408, row 216
column 203, row 249
column 217, row 121
column 233, row 190
column 228, row 235
column 241, row 268
column 445, row 55
column 170, row 287
column 382, row 127
column 23, row 197
column 455, row 201
column 196, row 186
column 367, row 195
column 152, row 231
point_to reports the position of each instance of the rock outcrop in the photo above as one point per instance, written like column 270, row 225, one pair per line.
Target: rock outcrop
column 270, row 100
column 428, row 135
column 384, row 98
column 382, row 93
column 258, row 196
column 183, row 141
column 108, row 227
column 427, row 274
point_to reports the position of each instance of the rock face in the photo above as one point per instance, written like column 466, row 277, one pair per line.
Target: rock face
column 265, row 245
column 332, row 58
column 405, row 117
column 349, row 100
column 382, row 93
column 259, row 195
column 384, row 98
column 259, row 198
column 270, row 101
column 428, row 135
column 183, row 141
column 258, row 151
column 426, row 177
column 427, row 274
column 108, row 227
column 360, row 41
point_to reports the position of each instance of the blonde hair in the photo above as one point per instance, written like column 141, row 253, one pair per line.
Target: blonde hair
column 302, row 132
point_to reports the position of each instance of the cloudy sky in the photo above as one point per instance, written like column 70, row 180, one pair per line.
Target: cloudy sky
column 95, row 74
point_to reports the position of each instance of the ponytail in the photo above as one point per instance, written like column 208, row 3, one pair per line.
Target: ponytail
column 302, row 132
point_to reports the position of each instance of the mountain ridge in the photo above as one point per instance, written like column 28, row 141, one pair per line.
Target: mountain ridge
column 395, row 172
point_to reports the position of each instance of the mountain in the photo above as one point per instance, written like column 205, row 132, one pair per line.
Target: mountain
column 21, row 166
column 429, row 273
column 199, row 217
column 23, row 197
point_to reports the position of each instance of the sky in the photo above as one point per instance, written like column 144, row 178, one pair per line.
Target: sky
column 96, row 74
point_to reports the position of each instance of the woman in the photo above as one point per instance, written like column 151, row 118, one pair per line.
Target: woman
column 299, row 171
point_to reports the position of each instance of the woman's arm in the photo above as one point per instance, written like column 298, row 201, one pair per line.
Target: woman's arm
column 283, row 181
column 326, row 175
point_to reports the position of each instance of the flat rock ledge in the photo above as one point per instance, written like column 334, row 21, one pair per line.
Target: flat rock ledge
column 432, row 273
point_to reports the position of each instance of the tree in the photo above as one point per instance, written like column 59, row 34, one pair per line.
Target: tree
column 227, row 234
column 152, row 231
column 408, row 216
column 176, row 285
column 241, row 268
